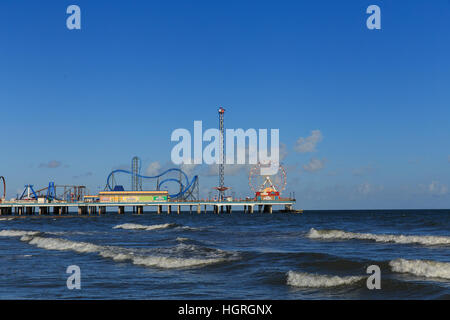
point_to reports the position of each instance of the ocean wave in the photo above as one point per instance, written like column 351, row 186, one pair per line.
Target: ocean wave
column 180, row 256
column 423, row 268
column 135, row 226
column 402, row 239
column 187, row 228
column 159, row 261
column 308, row 280
column 17, row 233
column 181, row 239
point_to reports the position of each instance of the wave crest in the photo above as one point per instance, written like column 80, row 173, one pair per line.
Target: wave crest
column 308, row 280
column 135, row 226
column 402, row 239
column 180, row 256
column 424, row 268
column 17, row 233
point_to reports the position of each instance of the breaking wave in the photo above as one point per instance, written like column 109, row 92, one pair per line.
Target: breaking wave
column 424, row 268
column 403, row 239
column 180, row 256
column 308, row 280
column 135, row 226
column 17, row 233
column 187, row 228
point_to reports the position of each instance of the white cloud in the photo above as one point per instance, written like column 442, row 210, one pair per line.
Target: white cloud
column 189, row 168
column 153, row 169
column 437, row 188
column 314, row 165
column 308, row 144
column 366, row 188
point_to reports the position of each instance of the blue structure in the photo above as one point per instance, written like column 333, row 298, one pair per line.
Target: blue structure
column 28, row 188
column 185, row 188
column 51, row 191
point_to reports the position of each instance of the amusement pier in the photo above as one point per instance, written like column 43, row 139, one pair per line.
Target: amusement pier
column 64, row 199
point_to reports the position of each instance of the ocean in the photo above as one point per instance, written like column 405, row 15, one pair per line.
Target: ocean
column 312, row 255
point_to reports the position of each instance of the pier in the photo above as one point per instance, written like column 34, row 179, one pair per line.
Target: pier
column 100, row 208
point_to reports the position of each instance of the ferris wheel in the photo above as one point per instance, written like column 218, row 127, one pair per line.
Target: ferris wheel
column 258, row 182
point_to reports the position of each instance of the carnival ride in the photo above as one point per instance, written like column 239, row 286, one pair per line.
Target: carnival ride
column 70, row 193
column 188, row 190
column 267, row 187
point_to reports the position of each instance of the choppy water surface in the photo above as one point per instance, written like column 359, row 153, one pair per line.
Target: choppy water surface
column 314, row 255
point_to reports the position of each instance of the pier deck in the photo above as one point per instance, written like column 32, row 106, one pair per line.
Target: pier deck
column 248, row 206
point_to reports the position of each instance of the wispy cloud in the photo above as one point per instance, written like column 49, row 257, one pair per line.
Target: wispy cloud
column 363, row 171
column 367, row 188
column 153, row 169
column 87, row 174
column 308, row 144
column 437, row 189
column 51, row 164
column 314, row 164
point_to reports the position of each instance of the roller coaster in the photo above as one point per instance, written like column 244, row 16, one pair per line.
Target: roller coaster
column 188, row 189
column 70, row 193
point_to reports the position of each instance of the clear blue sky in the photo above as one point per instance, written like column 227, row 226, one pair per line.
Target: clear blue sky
column 75, row 104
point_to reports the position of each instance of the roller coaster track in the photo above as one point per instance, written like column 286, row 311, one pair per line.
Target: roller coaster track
column 185, row 188
column 4, row 188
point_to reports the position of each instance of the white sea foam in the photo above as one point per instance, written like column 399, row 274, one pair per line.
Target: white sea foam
column 135, row 226
column 403, row 239
column 17, row 233
column 61, row 244
column 308, row 280
column 174, row 257
column 181, row 239
column 6, row 219
column 187, row 228
column 423, row 268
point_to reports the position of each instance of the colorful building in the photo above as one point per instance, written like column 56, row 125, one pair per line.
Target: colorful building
column 133, row 196
column 268, row 194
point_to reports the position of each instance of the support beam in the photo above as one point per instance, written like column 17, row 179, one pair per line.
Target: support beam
column 121, row 209
column 140, row 209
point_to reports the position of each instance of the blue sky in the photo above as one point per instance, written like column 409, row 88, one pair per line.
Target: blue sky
column 77, row 103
